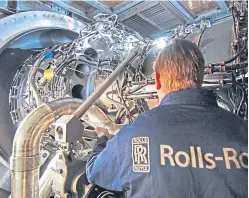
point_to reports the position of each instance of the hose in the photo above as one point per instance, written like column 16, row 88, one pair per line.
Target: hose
column 242, row 98
column 233, row 58
column 230, row 98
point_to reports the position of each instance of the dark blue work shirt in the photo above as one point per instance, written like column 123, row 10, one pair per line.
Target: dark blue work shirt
column 185, row 147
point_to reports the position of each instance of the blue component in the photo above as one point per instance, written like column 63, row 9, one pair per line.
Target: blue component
column 221, row 16
column 214, row 18
column 49, row 54
column 126, row 7
column 100, row 6
column 222, row 5
column 183, row 11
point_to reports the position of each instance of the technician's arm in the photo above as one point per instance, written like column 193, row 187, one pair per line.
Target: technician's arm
column 103, row 165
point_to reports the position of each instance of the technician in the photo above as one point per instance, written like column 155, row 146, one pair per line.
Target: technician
column 185, row 147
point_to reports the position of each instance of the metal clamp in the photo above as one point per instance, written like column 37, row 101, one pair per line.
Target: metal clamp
column 68, row 128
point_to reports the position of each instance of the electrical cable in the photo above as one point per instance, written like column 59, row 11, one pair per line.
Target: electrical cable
column 242, row 98
column 233, row 58
column 230, row 98
column 200, row 36
column 106, row 194
column 126, row 107
column 224, row 103
column 102, row 194
column 138, row 88
column 118, row 103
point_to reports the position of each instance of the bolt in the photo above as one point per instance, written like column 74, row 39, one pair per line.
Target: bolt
column 44, row 155
column 60, row 171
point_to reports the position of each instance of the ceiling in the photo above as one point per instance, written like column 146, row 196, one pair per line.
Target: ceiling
column 149, row 18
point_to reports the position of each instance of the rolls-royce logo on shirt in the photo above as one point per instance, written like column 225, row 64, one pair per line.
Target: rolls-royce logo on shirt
column 140, row 154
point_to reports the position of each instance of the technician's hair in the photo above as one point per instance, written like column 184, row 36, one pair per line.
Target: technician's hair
column 180, row 65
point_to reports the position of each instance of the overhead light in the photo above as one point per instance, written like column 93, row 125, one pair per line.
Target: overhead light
column 160, row 43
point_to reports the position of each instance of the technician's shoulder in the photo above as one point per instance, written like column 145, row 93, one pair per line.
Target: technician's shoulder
column 143, row 125
column 230, row 117
column 128, row 131
column 151, row 117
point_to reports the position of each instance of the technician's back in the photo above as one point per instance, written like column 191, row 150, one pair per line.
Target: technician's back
column 186, row 147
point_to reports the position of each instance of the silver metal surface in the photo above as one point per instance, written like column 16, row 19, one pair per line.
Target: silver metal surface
column 150, row 18
column 59, row 179
column 96, row 47
column 4, row 7
column 14, row 26
column 77, row 11
column 141, row 96
column 125, row 6
column 26, row 146
column 44, row 154
column 25, row 161
column 68, row 128
column 4, row 179
column 182, row 10
column 82, row 109
column 97, row 118
column 4, row 162
column 31, row 80
column 100, row 6
column 137, row 9
column 139, row 23
column 46, row 181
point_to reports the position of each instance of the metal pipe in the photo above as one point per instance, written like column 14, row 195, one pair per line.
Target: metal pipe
column 97, row 118
column 31, row 80
column 82, row 109
column 46, row 181
column 26, row 146
column 141, row 96
column 33, row 88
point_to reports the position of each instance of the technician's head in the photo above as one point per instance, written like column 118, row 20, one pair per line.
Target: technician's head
column 179, row 65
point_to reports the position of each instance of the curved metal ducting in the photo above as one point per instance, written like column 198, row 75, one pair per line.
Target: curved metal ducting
column 17, row 25
column 43, row 39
